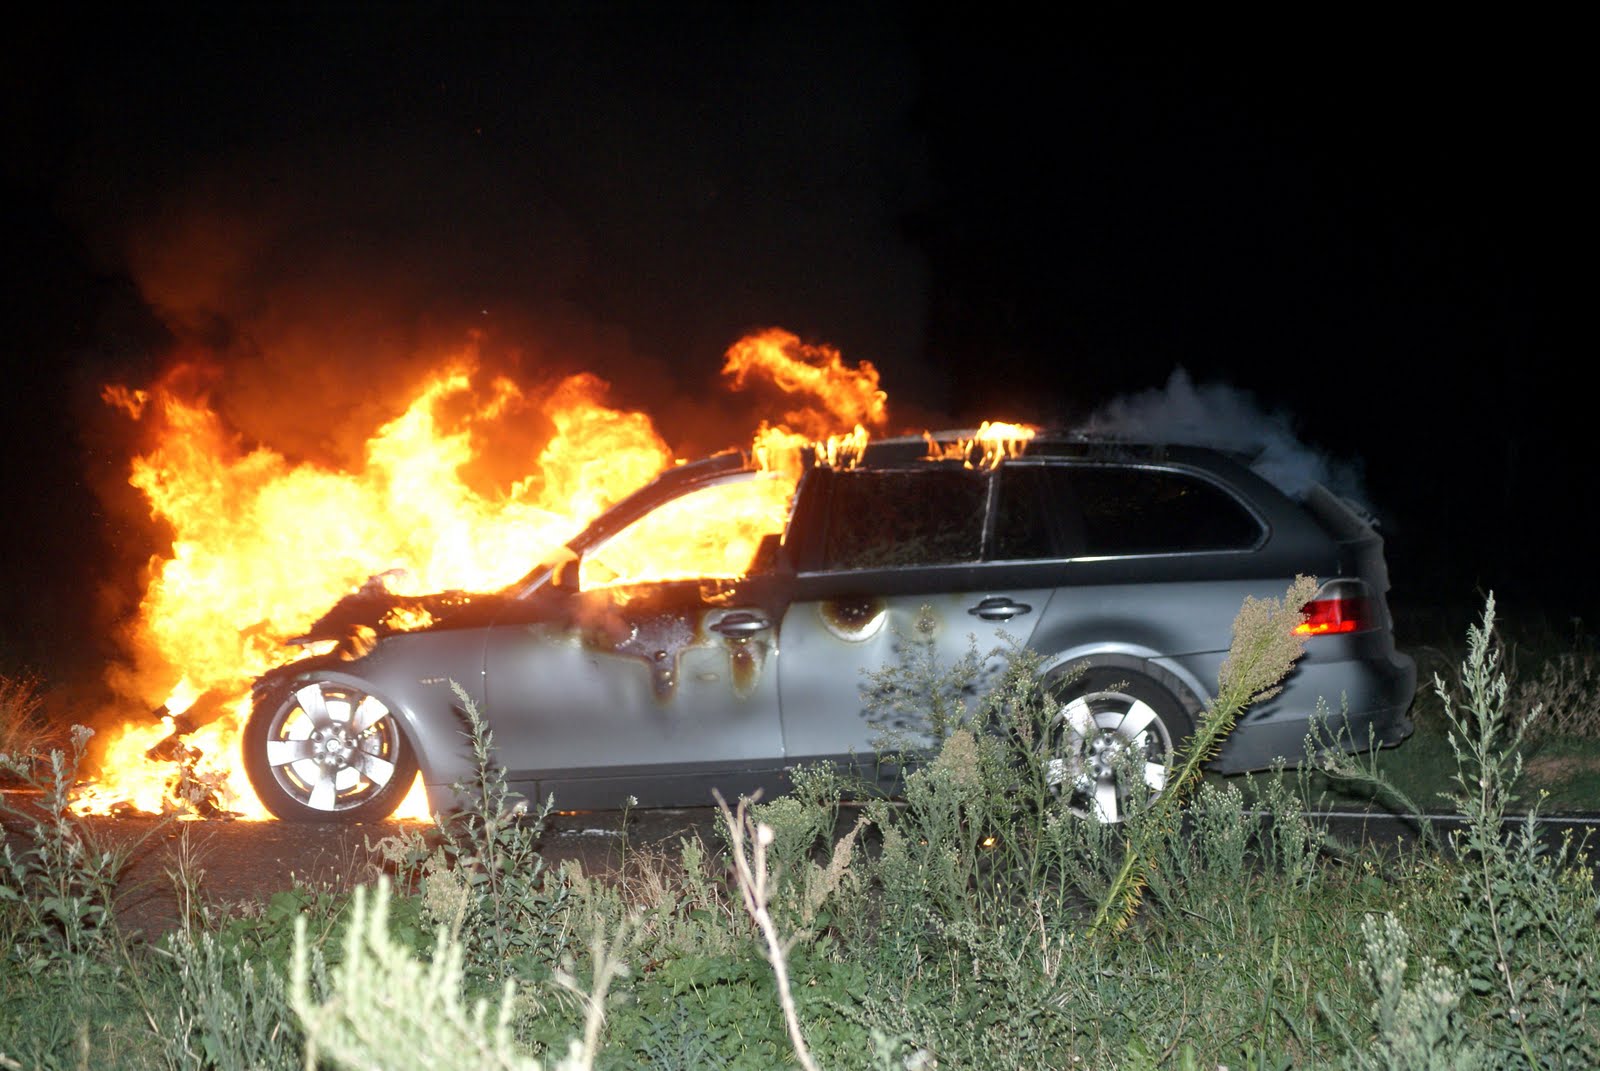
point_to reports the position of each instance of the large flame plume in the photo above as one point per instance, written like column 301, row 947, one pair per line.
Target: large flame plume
column 262, row 545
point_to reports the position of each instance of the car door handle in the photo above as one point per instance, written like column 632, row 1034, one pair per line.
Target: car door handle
column 999, row 608
column 741, row 625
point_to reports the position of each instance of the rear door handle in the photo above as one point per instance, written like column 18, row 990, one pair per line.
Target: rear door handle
column 741, row 625
column 999, row 608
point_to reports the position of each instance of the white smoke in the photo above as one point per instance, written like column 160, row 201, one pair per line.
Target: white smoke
column 1227, row 418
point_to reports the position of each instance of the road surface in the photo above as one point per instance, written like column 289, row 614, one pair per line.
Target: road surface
column 244, row 861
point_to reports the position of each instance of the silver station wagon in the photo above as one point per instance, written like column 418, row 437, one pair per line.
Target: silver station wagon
column 1121, row 565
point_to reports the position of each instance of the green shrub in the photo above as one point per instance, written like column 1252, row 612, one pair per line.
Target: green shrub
column 56, row 881
column 226, row 1011
column 24, row 732
column 1525, row 938
column 482, row 876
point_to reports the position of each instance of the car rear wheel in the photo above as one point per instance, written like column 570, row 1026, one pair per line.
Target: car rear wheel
column 320, row 751
column 1113, row 739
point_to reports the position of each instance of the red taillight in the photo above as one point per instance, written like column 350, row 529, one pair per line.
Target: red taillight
column 1341, row 606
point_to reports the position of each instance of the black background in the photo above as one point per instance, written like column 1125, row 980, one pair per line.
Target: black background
column 1374, row 229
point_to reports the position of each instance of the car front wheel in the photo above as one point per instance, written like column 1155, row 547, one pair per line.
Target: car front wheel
column 319, row 751
column 1114, row 735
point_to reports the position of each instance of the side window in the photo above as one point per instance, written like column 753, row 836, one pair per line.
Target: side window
column 1152, row 511
column 885, row 518
column 1027, row 522
column 716, row 532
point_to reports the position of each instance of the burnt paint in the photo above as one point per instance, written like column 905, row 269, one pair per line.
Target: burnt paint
column 656, row 623
column 658, row 639
column 749, row 658
column 854, row 618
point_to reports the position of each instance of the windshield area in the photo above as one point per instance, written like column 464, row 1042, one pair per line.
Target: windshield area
column 722, row 531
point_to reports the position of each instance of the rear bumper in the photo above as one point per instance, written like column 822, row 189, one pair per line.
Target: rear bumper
column 1342, row 705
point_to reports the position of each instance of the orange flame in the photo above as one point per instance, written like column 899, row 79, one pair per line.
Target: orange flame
column 993, row 443
column 839, row 396
column 714, row 534
column 262, row 545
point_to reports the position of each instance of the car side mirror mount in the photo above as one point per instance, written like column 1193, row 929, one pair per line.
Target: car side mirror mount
column 769, row 554
column 565, row 571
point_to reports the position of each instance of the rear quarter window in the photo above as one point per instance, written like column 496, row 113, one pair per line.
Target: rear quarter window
column 1126, row 510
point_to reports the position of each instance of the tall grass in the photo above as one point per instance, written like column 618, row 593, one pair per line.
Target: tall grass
column 58, row 885
column 23, row 728
column 1553, row 685
column 65, row 984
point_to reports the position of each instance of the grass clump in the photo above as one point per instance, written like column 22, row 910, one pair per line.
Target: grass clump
column 415, row 1017
column 1418, row 1019
column 64, row 977
column 1265, row 647
column 24, row 732
column 483, row 877
column 1565, row 691
column 1552, row 696
column 225, row 1009
column 56, row 881
column 1525, row 934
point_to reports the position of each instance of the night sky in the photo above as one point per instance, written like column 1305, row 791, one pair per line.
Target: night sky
column 1374, row 232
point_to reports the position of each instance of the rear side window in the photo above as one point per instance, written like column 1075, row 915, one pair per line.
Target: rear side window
column 882, row 518
column 1155, row 511
column 1031, row 514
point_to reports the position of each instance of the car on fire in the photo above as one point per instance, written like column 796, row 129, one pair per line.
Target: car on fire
column 1121, row 565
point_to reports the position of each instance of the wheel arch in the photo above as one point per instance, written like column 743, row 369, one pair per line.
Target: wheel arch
column 269, row 689
column 1143, row 662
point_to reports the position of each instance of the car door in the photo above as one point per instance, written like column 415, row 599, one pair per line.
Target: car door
column 655, row 689
column 900, row 607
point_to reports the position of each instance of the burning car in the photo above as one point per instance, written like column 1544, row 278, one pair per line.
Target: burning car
column 1122, row 565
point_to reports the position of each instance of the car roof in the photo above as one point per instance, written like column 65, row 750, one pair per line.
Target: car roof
column 897, row 452
column 906, row 449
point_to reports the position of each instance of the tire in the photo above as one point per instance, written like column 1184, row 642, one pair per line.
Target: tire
column 326, row 751
column 1110, row 725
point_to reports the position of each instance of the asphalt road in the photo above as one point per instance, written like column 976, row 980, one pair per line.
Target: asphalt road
column 244, row 861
